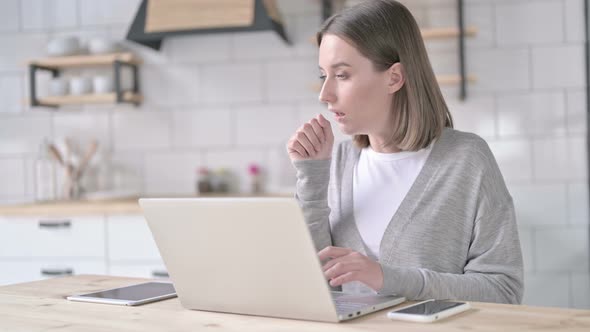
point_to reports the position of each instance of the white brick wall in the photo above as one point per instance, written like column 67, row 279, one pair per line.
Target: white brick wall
column 226, row 100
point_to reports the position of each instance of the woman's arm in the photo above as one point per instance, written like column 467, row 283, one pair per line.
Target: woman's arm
column 493, row 273
column 313, row 177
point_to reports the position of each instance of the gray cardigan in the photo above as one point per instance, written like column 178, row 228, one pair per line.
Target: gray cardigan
column 454, row 236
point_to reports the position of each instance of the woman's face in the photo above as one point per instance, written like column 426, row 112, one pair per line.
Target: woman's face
column 358, row 95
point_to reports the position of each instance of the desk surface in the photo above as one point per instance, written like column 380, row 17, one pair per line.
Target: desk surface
column 40, row 306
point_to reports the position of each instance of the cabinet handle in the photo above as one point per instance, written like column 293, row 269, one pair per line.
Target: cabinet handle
column 53, row 224
column 57, row 272
column 160, row 274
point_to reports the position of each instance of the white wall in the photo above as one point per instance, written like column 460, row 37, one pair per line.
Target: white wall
column 226, row 100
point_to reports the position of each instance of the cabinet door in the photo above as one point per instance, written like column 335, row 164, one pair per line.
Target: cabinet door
column 130, row 240
column 52, row 237
column 30, row 270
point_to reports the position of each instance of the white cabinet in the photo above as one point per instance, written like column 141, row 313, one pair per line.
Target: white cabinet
column 15, row 271
column 52, row 237
column 132, row 251
column 129, row 239
column 34, row 248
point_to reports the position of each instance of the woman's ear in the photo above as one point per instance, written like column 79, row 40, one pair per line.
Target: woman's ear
column 397, row 77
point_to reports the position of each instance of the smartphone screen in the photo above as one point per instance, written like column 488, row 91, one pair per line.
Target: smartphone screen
column 429, row 308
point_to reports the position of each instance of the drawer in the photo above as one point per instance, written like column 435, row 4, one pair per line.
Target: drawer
column 130, row 239
column 155, row 271
column 24, row 271
column 52, row 237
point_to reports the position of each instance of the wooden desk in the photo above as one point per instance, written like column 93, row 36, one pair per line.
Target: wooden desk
column 40, row 306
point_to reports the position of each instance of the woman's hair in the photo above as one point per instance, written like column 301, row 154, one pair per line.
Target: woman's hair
column 385, row 32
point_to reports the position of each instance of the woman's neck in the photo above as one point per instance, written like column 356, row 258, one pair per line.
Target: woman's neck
column 378, row 144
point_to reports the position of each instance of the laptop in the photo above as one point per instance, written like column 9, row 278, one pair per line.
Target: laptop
column 252, row 256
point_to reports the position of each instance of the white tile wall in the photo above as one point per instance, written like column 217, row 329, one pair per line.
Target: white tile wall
column 576, row 112
column 531, row 22
column 49, row 14
column 532, row 114
column 264, row 125
column 580, row 290
column 577, row 158
column 574, row 24
column 578, row 203
column 13, row 177
column 547, row 289
column 558, row 66
column 476, row 115
column 141, row 130
column 528, row 198
column 562, row 248
column 232, row 83
column 84, row 127
column 202, row 128
column 551, row 159
column 514, row 158
column 269, row 45
column 11, row 93
column 526, row 235
column 171, row 173
column 291, row 80
column 103, row 13
column 9, row 15
column 23, row 134
column 171, row 85
column 199, row 48
column 22, row 48
column 504, row 69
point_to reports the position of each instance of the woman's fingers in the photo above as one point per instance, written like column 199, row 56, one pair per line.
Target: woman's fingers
column 307, row 129
column 295, row 146
column 318, row 130
column 333, row 252
column 304, row 141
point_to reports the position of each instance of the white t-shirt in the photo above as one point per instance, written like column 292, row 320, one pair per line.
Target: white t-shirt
column 380, row 183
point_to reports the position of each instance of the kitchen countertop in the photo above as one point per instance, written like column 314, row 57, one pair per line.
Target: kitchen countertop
column 41, row 306
column 93, row 207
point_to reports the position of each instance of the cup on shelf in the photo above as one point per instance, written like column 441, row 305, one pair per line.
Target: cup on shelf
column 59, row 86
column 80, row 85
column 102, row 84
column 62, row 46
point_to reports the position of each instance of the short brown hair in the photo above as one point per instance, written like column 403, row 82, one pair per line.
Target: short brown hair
column 385, row 32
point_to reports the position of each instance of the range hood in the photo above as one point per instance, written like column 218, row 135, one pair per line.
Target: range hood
column 158, row 19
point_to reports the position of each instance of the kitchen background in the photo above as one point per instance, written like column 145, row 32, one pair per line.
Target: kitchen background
column 232, row 99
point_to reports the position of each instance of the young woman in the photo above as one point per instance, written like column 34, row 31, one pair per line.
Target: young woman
column 410, row 206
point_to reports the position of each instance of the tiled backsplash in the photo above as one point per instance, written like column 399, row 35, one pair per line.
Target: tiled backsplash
column 226, row 100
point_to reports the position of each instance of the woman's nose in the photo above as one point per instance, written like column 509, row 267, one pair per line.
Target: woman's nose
column 326, row 93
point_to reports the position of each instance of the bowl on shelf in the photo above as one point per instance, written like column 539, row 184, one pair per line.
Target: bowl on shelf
column 80, row 85
column 62, row 46
column 102, row 46
column 59, row 86
column 102, row 84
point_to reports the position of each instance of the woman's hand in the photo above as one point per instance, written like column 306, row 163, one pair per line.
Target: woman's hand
column 346, row 265
column 313, row 140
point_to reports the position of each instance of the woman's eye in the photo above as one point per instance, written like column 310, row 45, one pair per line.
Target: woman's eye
column 342, row 76
column 322, row 77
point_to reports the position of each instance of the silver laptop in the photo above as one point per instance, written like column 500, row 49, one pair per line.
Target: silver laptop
column 251, row 256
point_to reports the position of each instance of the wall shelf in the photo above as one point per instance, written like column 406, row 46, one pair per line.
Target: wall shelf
column 128, row 97
column 56, row 64
column 86, row 60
